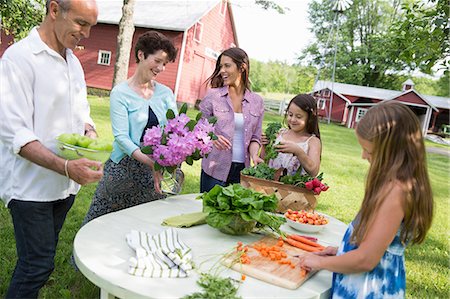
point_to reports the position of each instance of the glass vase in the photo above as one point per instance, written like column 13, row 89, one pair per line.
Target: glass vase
column 172, row 182
column 238, row 226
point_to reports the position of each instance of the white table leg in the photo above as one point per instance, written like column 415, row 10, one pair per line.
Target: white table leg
column 105, row 295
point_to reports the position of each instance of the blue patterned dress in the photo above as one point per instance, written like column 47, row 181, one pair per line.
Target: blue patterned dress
column 386, row 280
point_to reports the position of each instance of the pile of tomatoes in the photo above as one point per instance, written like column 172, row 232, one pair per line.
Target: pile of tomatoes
column 305, row 217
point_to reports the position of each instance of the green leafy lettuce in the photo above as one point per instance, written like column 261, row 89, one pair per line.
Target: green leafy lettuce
column 223, row 203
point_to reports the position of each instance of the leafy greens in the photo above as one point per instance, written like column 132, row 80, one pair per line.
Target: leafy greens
column 223, row 203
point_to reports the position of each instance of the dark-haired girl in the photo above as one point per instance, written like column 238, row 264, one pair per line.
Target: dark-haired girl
column 299, row 145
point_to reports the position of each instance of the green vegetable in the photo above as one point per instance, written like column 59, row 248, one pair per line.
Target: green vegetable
column 261, row 171
column 215, row 287
column 271, row 134
column 299, row 179
column 223, row 203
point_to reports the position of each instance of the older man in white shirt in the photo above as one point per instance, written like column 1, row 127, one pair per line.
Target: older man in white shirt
column 43, row 94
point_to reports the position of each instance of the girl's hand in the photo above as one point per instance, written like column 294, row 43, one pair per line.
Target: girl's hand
column 264, row 139
column 288, row 147
column 310, row 261
column 222, row 143
column 328, row 251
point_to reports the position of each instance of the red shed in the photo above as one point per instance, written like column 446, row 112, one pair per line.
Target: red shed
column 351, row 102
column 200, row 30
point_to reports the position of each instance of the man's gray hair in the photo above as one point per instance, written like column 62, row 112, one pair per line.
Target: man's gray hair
column 64, row 4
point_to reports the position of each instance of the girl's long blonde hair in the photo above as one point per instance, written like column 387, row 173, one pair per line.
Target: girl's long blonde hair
column 398, row 155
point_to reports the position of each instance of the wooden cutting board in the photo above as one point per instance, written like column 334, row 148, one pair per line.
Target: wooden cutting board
column 264, row 269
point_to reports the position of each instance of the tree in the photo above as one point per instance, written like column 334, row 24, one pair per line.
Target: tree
column 362, row 57
column 421, row 35
column 124, row 42
column 19, row 16
column 369, row 42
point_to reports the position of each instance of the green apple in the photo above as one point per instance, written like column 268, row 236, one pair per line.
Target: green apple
column 99, row 145
column 68, row 138
column 84, row 141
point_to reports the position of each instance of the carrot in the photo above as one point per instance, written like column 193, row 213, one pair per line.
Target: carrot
column 302, row 245
column 303, row 272
column 306, row 241
column 309, row 238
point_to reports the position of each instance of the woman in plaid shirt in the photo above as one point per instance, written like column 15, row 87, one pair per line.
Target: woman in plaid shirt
column 239, row 114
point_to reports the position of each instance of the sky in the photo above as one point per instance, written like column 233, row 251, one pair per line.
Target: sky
column 267, row 35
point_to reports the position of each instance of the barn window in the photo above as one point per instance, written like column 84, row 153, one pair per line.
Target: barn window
column 198, row 32
column 360, row 113
column 223, row 7
column 321, row 104
column 326, row 93
column 104, row 57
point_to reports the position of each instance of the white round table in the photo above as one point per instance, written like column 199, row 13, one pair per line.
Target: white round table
column 102, row 253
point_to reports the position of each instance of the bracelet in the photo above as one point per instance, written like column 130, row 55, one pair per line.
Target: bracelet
column 66, row 168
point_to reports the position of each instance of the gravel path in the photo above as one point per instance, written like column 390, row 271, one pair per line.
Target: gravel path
column 438, row 150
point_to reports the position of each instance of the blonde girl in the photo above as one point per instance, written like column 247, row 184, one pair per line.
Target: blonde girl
column 396, row 210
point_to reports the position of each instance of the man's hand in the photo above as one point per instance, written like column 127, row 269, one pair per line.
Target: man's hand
column 84, row 171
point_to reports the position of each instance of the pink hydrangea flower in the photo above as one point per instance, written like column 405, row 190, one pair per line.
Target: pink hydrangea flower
column 174, row 143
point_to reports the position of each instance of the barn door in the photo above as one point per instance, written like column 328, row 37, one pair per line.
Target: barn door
column 204, row 68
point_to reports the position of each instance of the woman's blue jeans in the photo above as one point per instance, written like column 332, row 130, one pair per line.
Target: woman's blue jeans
column 207, row 182
column 36, row 229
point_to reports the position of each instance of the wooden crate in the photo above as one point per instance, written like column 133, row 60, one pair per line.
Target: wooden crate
column 289, row 196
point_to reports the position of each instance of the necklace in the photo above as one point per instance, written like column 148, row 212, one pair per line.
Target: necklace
column 145, row 90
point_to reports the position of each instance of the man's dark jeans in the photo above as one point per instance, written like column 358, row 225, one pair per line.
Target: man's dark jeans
column 36, row 228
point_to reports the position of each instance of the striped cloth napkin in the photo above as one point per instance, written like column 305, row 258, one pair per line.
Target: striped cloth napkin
column 161, row 255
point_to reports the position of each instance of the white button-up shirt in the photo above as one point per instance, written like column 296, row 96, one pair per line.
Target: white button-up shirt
column 41, row 96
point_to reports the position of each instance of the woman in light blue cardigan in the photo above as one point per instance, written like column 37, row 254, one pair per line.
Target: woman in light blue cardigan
column 137, row 104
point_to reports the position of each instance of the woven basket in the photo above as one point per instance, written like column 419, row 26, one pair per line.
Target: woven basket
column 289, row 196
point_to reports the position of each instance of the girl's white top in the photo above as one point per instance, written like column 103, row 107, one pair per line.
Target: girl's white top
column 288, row 160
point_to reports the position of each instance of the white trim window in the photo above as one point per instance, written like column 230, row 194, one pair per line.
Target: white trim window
column 321, row 104
column 326, row 93
column 198, row 32
column 104, row 57
column 360, row 113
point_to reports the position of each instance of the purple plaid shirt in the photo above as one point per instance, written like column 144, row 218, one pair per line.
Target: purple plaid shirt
column 217, row 103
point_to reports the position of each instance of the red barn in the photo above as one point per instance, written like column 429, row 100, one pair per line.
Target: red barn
column 350, row 103
column 200, row 30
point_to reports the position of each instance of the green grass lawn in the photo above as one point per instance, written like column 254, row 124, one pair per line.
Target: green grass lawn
column 344, row 170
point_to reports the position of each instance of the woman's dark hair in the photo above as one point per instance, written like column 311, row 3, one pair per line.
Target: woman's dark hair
column 308, row 104
column 243, row 63
column 153, row 41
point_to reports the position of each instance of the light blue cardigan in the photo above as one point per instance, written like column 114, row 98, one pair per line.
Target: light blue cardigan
column 129, row 116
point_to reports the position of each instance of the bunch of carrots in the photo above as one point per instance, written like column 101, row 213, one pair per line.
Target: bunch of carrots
column 277, row 253
column 303, row 243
